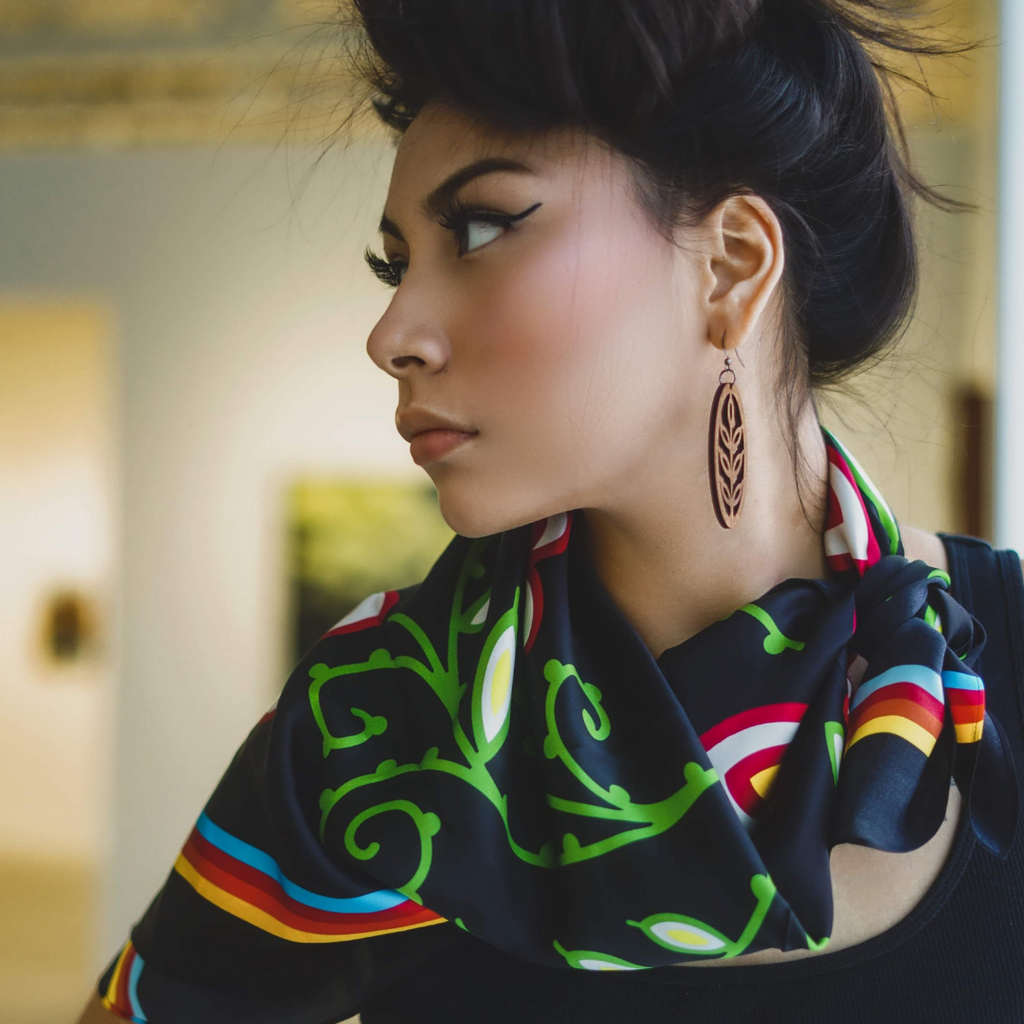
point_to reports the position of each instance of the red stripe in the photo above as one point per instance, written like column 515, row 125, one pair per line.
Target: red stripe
column 258, row 890
column 249, row 875
column 901, row 691
column 835, row 514
column 255, row 897
column 208, row 854
column 786, row 712
column 835, row 510
column 737, row 778
column 537, row 595
column 553, row 547
column 123, row 1002
column 957, row 697
column 841, row 562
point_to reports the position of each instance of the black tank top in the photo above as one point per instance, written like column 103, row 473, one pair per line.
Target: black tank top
column 957, row 958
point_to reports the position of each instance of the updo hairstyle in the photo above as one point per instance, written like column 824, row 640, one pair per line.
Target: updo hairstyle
column 787, row 99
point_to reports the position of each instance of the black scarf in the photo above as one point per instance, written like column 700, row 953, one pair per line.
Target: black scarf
column 497, row 747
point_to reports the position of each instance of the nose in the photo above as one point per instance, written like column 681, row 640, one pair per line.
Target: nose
column 405, row 347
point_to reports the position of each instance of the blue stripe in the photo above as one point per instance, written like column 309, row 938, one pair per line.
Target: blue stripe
column 133, row 990
column 926, row 678
column 371, row 903
column 962, row 681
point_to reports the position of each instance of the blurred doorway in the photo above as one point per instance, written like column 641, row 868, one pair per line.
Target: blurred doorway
column 56, row 540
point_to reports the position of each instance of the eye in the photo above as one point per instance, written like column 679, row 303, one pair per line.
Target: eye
column 473, row 229
column 385, row 270
column 478, row 237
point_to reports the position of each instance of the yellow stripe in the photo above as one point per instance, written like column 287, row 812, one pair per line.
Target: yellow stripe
column 969, row 732
column 898, row 726
column 238, row 907
column 762, row 781
column 109, row 999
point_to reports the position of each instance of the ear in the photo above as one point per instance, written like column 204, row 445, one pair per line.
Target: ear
column 744, row 266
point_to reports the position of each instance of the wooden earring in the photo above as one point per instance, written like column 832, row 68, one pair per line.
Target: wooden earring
column 727, row 448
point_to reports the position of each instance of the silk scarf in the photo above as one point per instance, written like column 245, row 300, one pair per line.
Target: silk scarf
column 497, row 747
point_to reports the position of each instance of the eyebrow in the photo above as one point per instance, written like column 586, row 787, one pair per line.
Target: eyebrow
column 435, row 202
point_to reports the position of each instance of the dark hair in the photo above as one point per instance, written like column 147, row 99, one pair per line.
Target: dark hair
column 787, row 99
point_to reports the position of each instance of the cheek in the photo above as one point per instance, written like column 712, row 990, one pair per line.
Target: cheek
column 574, row 350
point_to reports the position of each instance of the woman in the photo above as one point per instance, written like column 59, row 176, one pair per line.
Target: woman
column 681, row 692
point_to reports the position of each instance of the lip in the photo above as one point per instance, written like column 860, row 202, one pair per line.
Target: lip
column 430, row 436
column 431, row 445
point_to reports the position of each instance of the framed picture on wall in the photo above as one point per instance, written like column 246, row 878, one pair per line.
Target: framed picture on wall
column 347, row 539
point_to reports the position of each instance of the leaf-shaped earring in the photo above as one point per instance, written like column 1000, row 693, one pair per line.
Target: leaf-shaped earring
column 727, row 448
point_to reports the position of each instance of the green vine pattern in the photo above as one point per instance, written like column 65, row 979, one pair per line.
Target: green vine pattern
column 690, row 935
column 682, row 933
column 685, row 934
column 776, row 641
column 442, row 676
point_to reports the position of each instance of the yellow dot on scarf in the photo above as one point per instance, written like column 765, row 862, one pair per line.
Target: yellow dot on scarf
column 682, row 933
column 686, row 937
column 762, row 781
column 500, row 682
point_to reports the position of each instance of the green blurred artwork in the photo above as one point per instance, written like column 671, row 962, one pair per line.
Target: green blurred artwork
column 351, row 538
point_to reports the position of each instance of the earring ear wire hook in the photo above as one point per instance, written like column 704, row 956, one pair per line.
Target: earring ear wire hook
column 735, row 350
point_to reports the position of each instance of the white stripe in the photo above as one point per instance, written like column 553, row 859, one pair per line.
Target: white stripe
column 366, row 609
column 724, row 754
column 527, row 612
column 604, row 965
column 869, row 485
column 727, row 752
column 553, row 529
column 919, row 675
column 854, row 527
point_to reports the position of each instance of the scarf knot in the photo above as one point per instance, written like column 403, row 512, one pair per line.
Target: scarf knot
column 890, row 596
column 912, row 673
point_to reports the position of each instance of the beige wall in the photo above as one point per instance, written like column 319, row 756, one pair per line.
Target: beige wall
column 242, row 310
column 253, row 371
column 901, row 420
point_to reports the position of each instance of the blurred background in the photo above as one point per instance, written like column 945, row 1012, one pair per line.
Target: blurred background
column 199, row 470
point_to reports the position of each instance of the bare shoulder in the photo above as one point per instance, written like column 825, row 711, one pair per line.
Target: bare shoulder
column 927, row 546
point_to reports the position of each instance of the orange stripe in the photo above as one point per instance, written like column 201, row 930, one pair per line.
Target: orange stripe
column 967, row 714
column 259, row 918
column 110, row 1000
column 898, row 706
column 321, row 922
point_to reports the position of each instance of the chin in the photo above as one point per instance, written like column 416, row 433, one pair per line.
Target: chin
column 472, row 514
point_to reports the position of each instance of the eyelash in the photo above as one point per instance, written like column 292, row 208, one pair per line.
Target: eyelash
column 454, row 217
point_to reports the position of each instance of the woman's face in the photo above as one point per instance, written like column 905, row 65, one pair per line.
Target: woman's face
column 569, row 341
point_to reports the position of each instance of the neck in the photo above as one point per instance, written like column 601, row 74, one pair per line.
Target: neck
column 673, row 570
